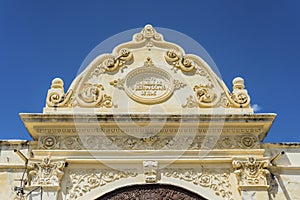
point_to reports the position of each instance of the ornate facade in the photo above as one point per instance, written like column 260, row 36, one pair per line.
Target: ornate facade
column 148, row 121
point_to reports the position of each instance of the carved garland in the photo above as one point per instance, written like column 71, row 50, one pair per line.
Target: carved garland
column 218, row 182
column 82, row 181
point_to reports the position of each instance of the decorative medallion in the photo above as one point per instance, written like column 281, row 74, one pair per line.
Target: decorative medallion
column 148, row 84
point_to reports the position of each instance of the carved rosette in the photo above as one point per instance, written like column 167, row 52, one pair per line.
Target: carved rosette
column 216, row 180
column 45, row 172
column 252, row 172
column 48, row 142
column 150, row 171
column 82, row 181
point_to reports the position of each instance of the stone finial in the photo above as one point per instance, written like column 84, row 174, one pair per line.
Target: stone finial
column 57, row 83
column 238, row 83
column 56, row 95
column 240, row 95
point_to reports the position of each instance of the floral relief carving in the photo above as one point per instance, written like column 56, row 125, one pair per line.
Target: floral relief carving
column 48, row 142
column 216, row 180
column 149, row 143
column 46, row 172
column 251, row 172
column 82, row 181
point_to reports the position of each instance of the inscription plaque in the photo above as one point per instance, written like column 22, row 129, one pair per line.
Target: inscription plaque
column 149, row 85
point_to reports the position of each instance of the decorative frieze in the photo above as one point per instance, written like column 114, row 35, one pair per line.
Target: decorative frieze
column 252, row 172
column 82, row 181
column 142, row 130
column 214, row 179
column 156, row 142
column 46, row 172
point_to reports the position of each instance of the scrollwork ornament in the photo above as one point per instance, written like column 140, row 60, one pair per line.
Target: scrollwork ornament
column 239, row 97
column 148, row 33
column 179, row 62
column 217, row 181
column 204, row 93
column 112, row 64
column 82, row 181
column 56, row 96
column 92, row 95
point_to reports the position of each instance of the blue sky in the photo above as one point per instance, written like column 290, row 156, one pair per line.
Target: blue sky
column 258, row 40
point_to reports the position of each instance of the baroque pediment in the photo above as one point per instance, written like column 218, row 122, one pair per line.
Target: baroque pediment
column 145, row 72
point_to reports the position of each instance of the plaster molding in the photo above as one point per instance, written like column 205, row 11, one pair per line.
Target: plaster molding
column 214, row 179
column 156, row 142
column 91, row 88
column 82, row 181
column 45, row 172
column 150, row 171
column 252, row 172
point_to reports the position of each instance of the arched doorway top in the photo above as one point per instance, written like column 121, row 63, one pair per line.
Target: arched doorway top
column 150, row 192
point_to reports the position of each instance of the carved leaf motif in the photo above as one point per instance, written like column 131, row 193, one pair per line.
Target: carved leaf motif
column 91, row 95
column 179, row 62
column 251, row 172
column 204, row 93
column 112, row 64
column 82, row 181
column 45, row 172
column 150, row 143
column 218, row 182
